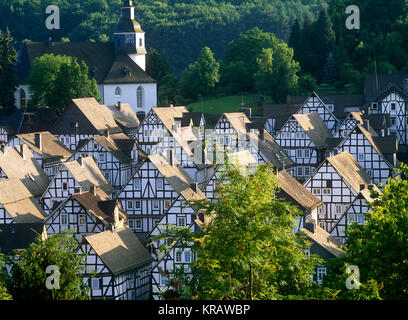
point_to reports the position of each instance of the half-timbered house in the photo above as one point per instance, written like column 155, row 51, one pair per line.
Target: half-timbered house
column 115, row 154
column 355, row 213
column 304, row 137
column 83, row 119
column 315, row 104
column 377, row 155
column 337, row 182
column 151, row 192
column 73, row 177
column 21, row 216
column 178, row 254
column 295, row 193
column 323, row 245
column 86, row 213
column 117, row 265
column 47, row 149
column 19, row 162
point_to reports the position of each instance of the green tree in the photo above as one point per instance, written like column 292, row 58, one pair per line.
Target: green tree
column 8, row 82
column 329, row 71
column 247, row 248
column 4, row 294
column 202, row 76
column 55, row 80
column 28, row 272
column 157, row 65
column 277, row 74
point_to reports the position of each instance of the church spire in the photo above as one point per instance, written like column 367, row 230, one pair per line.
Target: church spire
column 129, row 36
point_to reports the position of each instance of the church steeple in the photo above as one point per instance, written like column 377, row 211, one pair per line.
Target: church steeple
column 129, row 36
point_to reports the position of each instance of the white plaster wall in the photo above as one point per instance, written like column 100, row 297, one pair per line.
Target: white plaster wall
column 129, row 95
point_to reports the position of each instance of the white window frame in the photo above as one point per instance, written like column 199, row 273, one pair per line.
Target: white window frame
column 139, row 185
column 64, row 219
column 81, row 219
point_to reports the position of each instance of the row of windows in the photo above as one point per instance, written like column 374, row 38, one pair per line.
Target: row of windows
column 64, row 219
column 304, row 171
column 297, row 135
column 140, row 95
column 137, row 204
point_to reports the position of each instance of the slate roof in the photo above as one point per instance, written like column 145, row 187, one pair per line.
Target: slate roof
column 99, row 206
column 296, row 192
column 125, row 116
column 120, row 251
column 325, row 240
column 50, row 146
column 118, row 144
column 370, row 83
column 92, row 118
column 19, row 202
column 314, row 127
column 350, row 170
column 27, row 169
column 376, row 121
column 88, row 174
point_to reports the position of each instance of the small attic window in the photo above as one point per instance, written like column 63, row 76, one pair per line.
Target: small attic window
column 126, row 71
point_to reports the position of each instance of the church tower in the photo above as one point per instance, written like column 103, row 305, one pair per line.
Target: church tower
column 129, row 36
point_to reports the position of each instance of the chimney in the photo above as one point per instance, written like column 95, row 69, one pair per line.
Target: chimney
column 405, row 86
column 194, row 186
column 248, row 112
column 171, row 159
column 92, row 189
column 383, row 132
column 311, row 226
column 37, row 140
column 119, row 105
column 22, row 151
column 81, row 161
column 362, row 187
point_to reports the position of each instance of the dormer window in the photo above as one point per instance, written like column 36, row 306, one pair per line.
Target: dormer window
column 374, row 106
column 126, row 72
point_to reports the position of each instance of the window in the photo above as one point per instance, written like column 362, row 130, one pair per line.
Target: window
column 351, row 218
column 327, row 191
column 138, row 224
column 300, row 171
column 77, row 190
column 138, row 204
column 64, row 219
column 140, row 42
column 181, row 222
column 118, row 91
column 159, row 184
column 339, row 209
column 64, row 186
column 360, row 157
column 140, row 97
column 102, row 157
column 178, row 256
column 107, row 176
column 307, row 171
column 67, row 141
column 156, row 204
column 166, row 204
column 393, row 121
column 321, row 210
column 321, row 272
column 131, row 224
column 23, row 98
column 187, row 256
column 130, row 204
column 360, row 219
column 81, row 219
column 299, row 153
column 307, row 153
column 374, row 106
column 137, row 184
column 370, row 172
column 95, row 284
column 316, row 191
column 393, row 106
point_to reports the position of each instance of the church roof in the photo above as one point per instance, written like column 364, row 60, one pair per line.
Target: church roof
column 124, row 70
column 98, row 56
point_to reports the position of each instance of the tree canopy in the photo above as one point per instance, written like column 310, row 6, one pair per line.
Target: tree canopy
column 8, row 82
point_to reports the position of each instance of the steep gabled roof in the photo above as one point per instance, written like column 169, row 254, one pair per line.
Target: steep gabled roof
column 86, row 172
column 50, row 146
column 24, row 167
column 120, row 251
column 118, row 144
column 238, row 121
column 350, row 170
column 125, row 116
column 91, row 117
column 314, row 127
column 370, row 83
column 19, row 202
column 297, row 192
column 134, row 74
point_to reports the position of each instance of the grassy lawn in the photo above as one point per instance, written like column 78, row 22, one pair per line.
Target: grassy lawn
column 223, row 104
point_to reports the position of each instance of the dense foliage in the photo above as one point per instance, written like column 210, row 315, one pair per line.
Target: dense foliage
column 28, row 271
column 8, row 82
column 55, row 80
column 180, row 27
column 248, row 248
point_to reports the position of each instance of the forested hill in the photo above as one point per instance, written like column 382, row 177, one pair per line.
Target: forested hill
column 180, row 28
